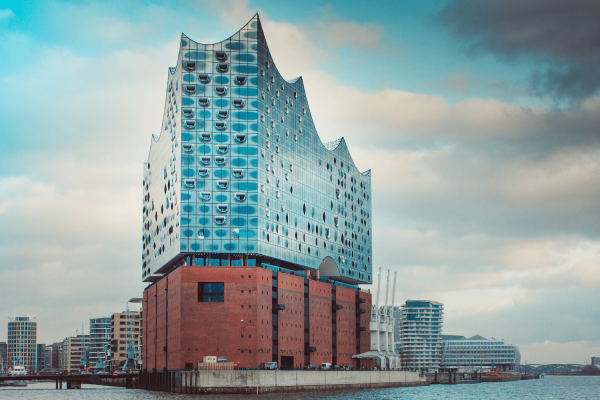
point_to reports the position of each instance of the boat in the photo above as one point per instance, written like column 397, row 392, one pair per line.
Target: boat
column 17, row 370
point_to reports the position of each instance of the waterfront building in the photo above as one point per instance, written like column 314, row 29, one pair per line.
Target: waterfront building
column 397, row 323
column 238, row 174
column 22, row 342
column 255, row 233
column 478, row 352
column 123, row 329
column 100, row 342
column 420, row 330
column 3, row 356
column 72, row 350
column 56, row 355
column 41, row 357
column 48, row 359
column 596, row 361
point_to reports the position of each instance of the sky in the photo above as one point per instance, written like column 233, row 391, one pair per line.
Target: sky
column 480, row 121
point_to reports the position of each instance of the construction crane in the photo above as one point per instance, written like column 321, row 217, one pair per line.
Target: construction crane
column 84, row 368
column 132, row 361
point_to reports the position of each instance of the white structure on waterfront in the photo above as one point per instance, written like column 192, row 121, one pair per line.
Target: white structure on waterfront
column 420, row 330
column 478, row 352
column 100, row 342
column 22, row 342
column 381, row 328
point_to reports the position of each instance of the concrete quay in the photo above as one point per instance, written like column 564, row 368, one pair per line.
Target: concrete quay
column 257, row 382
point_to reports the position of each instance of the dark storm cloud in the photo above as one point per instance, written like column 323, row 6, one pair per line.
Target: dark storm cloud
column 564, row 33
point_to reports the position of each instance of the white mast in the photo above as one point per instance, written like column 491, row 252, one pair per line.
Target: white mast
column 387, row 288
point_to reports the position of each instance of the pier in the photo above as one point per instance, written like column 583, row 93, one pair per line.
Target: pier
column 258, row 382
column 75, row 381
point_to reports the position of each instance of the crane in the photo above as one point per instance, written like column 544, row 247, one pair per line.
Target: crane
column 132, row 361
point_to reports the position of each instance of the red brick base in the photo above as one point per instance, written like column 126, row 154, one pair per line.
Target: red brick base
column 179, row 330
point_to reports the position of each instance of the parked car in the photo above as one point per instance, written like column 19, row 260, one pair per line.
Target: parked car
column 271, row 365
column 312, row 367
column 325, row 366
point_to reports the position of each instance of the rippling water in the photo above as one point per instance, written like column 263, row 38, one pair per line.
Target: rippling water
column 552, row 387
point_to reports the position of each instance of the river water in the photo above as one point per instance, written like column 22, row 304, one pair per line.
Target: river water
column 552, row 387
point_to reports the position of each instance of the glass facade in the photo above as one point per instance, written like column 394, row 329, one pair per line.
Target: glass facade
column 478, row 352
column 211, row 292
column 239, row 175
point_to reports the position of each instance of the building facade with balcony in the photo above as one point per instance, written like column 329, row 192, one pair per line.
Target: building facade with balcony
column 100, row 342
column 124, row 326
column 249, row 218
column 419, row 333
column 72, row 350
column 477, row 352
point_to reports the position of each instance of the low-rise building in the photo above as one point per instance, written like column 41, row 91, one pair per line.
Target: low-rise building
column 477, row 352
column 72, row 349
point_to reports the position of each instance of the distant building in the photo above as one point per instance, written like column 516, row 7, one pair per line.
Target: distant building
column 41, row 357
column 100, row 341
column 3, row 356
column 121, row 328
column 22, row 341
column 478, row 352
column 47, row 359
column 596, row 361
column 419, row 333
column 72, row 349
column 56, row 355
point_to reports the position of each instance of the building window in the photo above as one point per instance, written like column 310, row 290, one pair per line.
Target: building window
column 211, row 292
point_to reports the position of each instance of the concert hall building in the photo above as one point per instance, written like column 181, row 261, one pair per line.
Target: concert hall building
column 255, row 233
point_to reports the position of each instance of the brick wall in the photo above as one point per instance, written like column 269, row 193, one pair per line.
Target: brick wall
column 290, row 292
column 365, row 336
column 346, row 326
column 241, row 327
column 320, row 322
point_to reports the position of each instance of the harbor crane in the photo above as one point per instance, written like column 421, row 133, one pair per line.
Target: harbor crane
column 132, row 361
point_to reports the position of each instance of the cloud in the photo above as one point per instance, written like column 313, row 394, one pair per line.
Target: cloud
column 548, row 352
column 463, row 82
column 336, row 32
column 564, row 33
column 6, row 14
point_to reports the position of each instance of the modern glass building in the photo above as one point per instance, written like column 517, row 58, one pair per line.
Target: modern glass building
column 22, row 342
column 238, row 175
column 100, row 341
column 478, row 352
column 420, row 330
